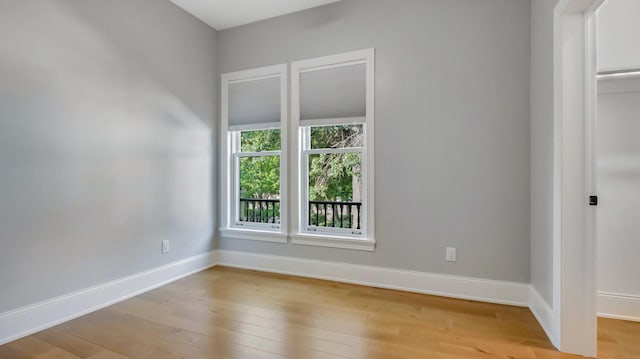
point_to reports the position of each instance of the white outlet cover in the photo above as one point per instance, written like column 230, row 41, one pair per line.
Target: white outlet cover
column 165, row 246
column 451, row 254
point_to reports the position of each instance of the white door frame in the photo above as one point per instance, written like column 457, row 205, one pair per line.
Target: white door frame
column 574, row 245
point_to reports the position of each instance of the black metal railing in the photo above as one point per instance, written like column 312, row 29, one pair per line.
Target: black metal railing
column 258, row 210
column 335, row 214
column 321, row 213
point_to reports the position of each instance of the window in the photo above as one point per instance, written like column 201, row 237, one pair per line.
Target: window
column 332, row 158
column 256, row 169
column 254, row 128
column 331, row 164
column 332, row 119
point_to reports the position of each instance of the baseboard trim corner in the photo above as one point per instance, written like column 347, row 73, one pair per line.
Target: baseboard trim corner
column 30, row 319
column 509, row 293
column 544, row 315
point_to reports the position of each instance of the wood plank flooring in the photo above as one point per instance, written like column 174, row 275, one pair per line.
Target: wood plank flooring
column 232, row 313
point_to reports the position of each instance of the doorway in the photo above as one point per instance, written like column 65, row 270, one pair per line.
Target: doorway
column 617, row 174
column 576, row 297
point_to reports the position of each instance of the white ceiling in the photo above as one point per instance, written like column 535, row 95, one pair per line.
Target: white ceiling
column 223, row 14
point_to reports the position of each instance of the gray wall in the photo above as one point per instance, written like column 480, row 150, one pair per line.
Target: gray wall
column 542, row 147
column 106, row 116
column 452, row 126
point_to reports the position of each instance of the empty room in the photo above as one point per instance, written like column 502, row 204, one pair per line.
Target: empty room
column 344, row 179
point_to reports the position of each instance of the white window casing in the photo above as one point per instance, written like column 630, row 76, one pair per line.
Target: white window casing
column 340, row 91
column 325, row 91
column 251, row 100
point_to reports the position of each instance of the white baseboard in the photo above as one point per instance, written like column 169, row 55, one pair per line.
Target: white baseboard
column 27, row 320
column 544, row 314
column 619, row 306
column 33, row 318
column 436, row 284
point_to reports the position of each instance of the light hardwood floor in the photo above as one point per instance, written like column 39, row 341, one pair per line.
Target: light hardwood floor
column 232, row 313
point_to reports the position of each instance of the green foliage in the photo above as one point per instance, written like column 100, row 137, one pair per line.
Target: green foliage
column 260, row 176
column 331, row 176
column 339, row 136
column 260, row 140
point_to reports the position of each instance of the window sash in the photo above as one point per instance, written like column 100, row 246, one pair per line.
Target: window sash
column 306, row 152
column 236, row 155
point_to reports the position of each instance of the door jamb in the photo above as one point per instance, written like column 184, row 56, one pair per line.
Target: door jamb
column 574, row 245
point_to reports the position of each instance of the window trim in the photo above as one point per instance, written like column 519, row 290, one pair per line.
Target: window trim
column 299, row 232
column 230, row 155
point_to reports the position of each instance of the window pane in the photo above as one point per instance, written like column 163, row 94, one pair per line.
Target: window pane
column 259, row 189
column 260, row 140
column 338, row 136
column 335, row 190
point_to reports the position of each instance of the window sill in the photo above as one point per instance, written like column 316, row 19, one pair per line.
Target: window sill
column 363, row 244
column 254, row 235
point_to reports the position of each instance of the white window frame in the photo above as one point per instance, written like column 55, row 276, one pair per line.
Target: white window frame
column 302, row 233
column 230, row 226
column 307, row 151
column 236, row 156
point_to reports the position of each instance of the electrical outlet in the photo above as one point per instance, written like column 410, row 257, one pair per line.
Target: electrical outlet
column 165, row 246
column 451, row 254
